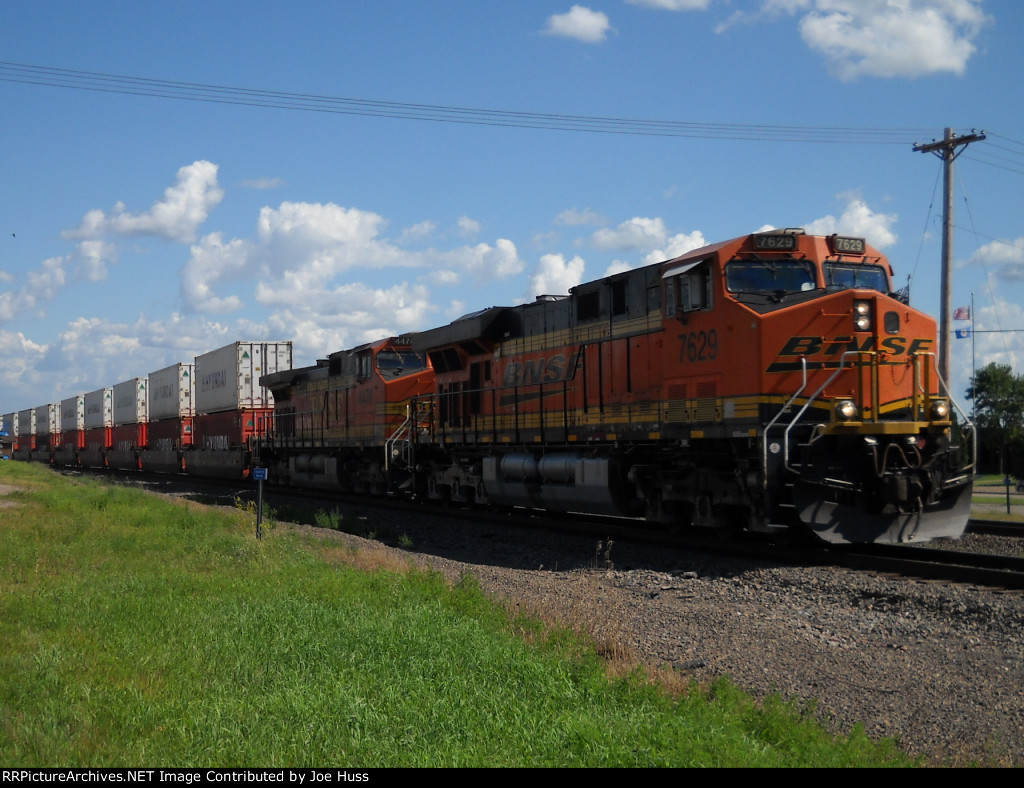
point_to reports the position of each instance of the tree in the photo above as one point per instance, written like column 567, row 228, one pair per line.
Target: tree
column 998, row 397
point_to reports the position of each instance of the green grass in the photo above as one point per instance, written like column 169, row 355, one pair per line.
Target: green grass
column 139, row 631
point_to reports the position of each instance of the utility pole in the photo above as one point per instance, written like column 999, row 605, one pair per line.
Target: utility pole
column 947, row 149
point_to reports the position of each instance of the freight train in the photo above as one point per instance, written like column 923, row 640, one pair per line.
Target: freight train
column 773, row 383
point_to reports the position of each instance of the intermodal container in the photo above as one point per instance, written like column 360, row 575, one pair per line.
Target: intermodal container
column 130, row 402
column 229, row 378
column 99, row 408
column 172, row 392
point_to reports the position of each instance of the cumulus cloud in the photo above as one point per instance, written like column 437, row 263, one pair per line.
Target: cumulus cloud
column 348, row 314
column 18, row 359
column 999, row 346
column 94, row 256
column 468, row 227
column 480, row 263
column 212, row 260
column 41, row 285
column 883, row 38
column 92, row 353
column 581, row 23
column 176, row 217
column 638, row 233
column 678, row 244
column 1007, row 257
column 555, row 275
column 886, row 39
column 574, row 218
column 301, row 263
column 859, row 220
column 417, row 232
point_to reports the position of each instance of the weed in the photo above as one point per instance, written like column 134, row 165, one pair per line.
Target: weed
column 331, row 519
column 603, row 555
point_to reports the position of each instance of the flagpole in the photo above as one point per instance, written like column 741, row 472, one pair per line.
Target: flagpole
column 974, row 373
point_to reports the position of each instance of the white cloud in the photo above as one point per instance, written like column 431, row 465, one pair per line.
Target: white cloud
column 348, row 311
column 41, row 285
column 1006, row 256
column 673, row 5
column 176, row 217
column 263, row 184
column 618, row 267
column 302, row 247
column 555, row 275
column 637, row 233
column 580, row 23
column 882, row 38
column 885, row 38
column 95, row 255
column 1000, row 346
column 678, row 244
column 213, row 260
column 417, row 232
column 574, row 218
column 18, row 358
column 483, row 262
column 859, row 220
column 468, row 227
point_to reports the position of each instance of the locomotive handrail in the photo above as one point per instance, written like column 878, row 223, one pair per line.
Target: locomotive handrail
column 777, row 416
column 972, row 428
column 396, row 436
column 812, row 398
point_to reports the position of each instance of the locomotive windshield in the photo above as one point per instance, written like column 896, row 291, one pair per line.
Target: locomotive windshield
column 395, row 364
column 847, row 275
column 770, row 277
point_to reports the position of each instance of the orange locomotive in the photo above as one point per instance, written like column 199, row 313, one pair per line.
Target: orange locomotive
column 769, row 382
column 331, row 421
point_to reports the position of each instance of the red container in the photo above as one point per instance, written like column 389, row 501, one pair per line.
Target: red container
column 230, row 429
column 167, row 434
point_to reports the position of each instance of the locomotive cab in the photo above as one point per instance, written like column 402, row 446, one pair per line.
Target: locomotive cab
column 344, row 423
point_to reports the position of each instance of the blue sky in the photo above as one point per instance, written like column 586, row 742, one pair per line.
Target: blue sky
column 137, row 231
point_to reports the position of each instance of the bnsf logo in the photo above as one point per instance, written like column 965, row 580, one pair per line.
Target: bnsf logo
column 539, row 370
column 813, row 346
column 834, row 347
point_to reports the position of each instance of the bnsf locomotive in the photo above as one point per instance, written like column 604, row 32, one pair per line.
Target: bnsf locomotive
column 772, row 383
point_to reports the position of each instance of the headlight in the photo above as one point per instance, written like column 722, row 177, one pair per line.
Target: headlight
column 862, row 315
column 846, row 410
column 940, row 410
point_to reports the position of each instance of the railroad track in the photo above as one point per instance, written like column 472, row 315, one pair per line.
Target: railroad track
column 981, row 569
column 996, row 527
column 927, row 563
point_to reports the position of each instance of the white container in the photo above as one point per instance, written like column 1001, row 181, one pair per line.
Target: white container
column 72, row 414
column 11, row 424
column 229, row 378
column 26, row 422
column 99, row 408
column 130, row 402
column 172, row 392
column 47, row 419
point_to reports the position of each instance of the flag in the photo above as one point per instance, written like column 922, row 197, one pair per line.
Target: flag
column 962, row 313
column 963, row 333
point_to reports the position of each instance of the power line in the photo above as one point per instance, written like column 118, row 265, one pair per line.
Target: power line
column 121, row 84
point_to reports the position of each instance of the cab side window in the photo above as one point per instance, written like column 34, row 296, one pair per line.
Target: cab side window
column 688, row 288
